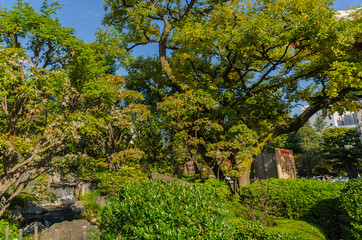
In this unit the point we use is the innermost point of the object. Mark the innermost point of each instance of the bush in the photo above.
(13, 229)
(299, 228)
(91, 208)
(163, 210)
(293, 198)
(310, 200)
(351, 206)
(254, 230)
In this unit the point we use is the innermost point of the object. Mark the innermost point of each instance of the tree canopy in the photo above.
(253, 61)
(53, 90)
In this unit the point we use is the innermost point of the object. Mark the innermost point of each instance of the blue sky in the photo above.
(85, 16)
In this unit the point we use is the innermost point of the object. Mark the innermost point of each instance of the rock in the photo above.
(34, 208)
(16, 213)
(83, 188)
(29, 230)
(78, 206)
(70, 178)
(159, 176)
(55, 178)
(69, 230)
(93, 220)
(101, 200)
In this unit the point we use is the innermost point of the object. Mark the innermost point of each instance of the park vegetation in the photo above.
(220, 89)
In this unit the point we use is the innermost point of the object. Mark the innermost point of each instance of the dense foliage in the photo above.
(334, 207)
(13, 230)
(351, 205)
(343, 148)
(294, 198)
(254, 230)
(163, 210)
(228, 73)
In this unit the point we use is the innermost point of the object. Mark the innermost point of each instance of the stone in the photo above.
(101, 200)
(16, 213)
(78, 206)
(83, 188)
(34, 208)
(70, 230)
(70, 178)
(159, 176)
(55, 178)
(29, 230)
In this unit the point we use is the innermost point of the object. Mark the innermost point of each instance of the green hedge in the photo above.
(314, 201)
(351, 206)
(163, 210)
(294, 198)
(256, 231)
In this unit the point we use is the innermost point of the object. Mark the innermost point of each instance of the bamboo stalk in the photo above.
(20, 234)
(36, 232)
(7, 232)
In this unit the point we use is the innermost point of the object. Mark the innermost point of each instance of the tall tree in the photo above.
(51, 86)
(306, 144)
(343, 148)
(257, 60)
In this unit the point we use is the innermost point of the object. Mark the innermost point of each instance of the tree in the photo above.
(51, 86)
(320, 124)
(306, 145)
(257, 60)
(343, 148)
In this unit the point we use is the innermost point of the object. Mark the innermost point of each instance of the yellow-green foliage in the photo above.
(299, 228)
(351, 204)
(164, 210)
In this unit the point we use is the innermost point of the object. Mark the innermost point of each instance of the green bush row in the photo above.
(351, 209)
(333, 206)
(163, 210)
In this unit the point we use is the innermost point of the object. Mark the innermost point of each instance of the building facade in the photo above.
(347, 119)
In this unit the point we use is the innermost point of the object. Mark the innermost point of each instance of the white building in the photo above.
(347, 119)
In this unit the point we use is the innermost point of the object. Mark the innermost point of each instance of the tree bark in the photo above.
(349, 168)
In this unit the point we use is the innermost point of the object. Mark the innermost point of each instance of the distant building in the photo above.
(347, 119)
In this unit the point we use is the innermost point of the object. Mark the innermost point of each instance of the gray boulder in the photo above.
(67, 230)
(83, 188)
(78, 206)
(34, 208)
(101, 200)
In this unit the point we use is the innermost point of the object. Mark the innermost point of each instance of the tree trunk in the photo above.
(244, 178)
(21, 180)
(349, 168)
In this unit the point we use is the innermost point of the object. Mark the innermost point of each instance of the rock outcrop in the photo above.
(67, 230)
(159, 176)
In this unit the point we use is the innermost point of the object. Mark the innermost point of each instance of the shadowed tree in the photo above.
(343, 149)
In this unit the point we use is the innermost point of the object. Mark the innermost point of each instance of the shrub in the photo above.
(351, 206)
(163, 210)
(299, 228)
(255, 230)
(293, 198)
(13, 229)
(311, 200)
(92, 209)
